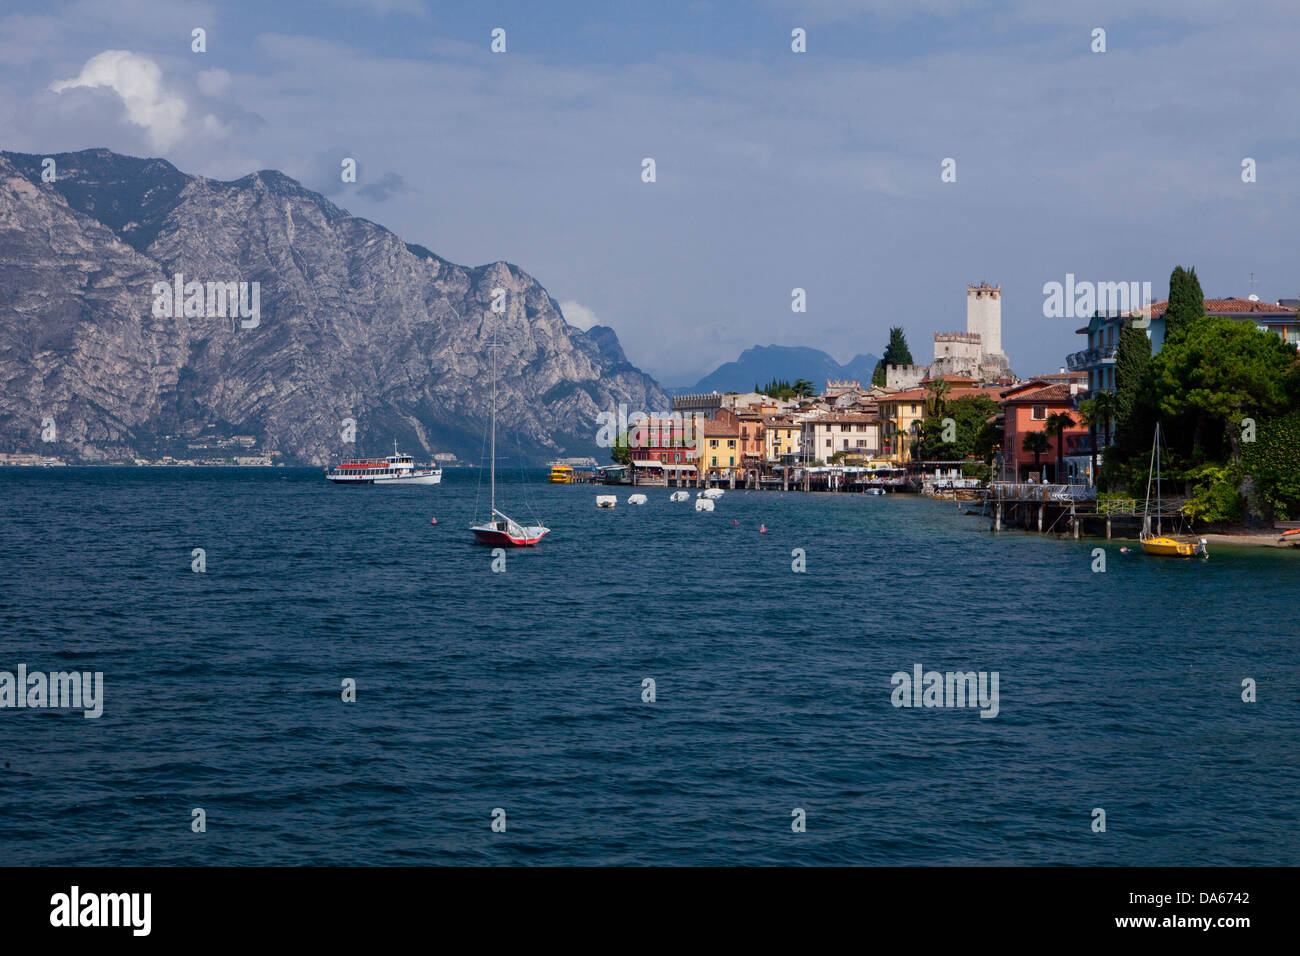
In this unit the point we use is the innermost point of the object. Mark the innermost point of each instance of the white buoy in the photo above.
(606, 501)
(636, 499)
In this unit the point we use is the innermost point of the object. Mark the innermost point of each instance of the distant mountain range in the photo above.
(762, 363)
(353, 325)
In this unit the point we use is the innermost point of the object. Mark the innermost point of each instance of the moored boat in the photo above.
(1159, 544)
(500, 530)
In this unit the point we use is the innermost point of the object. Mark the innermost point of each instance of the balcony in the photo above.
(1091, 358)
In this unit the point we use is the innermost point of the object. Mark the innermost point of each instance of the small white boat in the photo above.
(711, 493)
(606, 501)
(703, 504)
(874, 491)
(636, 499)
(679, 496)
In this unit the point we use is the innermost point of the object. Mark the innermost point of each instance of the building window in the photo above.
(830, 443)
(714, 461)
(732, 460)
(1038, 413)
(731, 443)
(713, 443)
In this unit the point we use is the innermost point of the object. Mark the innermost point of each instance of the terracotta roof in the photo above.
(846, 419)
(921, 394)
(716, 428)
(1048, 393)
(1227, 306)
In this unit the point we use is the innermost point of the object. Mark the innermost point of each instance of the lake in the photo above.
(522, 690)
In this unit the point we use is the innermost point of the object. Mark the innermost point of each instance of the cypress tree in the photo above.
(1186, 301)
(897, 352)
(1131, 360)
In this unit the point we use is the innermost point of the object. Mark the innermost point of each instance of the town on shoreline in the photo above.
(1064, 451)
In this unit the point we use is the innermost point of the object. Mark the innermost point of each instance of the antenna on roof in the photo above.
(1252, 296)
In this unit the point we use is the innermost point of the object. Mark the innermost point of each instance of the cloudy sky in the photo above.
(774, 169)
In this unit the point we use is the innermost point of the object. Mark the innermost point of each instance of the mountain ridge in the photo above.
(762, 363)
(355, 323)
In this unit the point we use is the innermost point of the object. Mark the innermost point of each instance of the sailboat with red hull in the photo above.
(502, 531)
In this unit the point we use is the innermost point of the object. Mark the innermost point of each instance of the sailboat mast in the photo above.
(1159, 508)
(492, 515)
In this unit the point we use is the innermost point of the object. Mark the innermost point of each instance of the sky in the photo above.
(774, 169)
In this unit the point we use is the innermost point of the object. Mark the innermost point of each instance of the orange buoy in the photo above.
(734, 521)
(433, 521)
(762, 529)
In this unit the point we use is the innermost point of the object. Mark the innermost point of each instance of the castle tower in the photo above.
(984, 316)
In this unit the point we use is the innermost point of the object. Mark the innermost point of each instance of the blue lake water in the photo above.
(522, 690)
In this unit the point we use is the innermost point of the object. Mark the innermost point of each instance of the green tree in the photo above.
(936, 398)
(621, 453)
(896, 353)
(803, 388)
(1097, 413)
(1131, 360)
(972, 435)
(1055, 426)
(1217, 372)
(1273, 462)
(1036, 444)
(1186, 302)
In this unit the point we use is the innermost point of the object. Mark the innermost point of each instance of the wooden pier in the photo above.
(1065, 509)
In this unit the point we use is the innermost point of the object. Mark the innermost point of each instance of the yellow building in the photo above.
(901, 415)
(782, 437)
(719, 444)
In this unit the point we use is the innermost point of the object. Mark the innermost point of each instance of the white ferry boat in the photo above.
(396, 469)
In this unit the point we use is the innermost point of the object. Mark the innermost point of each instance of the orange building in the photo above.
(1026, 409)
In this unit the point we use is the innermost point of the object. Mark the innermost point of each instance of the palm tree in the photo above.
(936, 402)
(1091, 416)
(1057, 423)
(1036, 444)
(1104, 402)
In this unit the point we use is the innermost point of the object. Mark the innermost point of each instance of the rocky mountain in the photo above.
(351, 323)
(763, 363)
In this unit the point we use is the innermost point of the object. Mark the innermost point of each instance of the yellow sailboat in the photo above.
(1157, 543)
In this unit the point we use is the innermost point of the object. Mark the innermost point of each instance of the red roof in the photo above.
(1048, 394)
(1228, 306)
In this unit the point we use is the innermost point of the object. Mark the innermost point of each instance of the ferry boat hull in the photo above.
(396, 469)
(430, 478)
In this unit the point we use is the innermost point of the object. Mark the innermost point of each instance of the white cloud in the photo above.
(213, 82)
(577, 314)
(138, 81)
